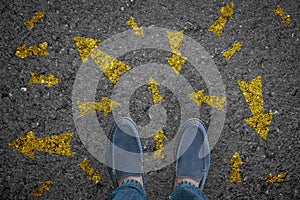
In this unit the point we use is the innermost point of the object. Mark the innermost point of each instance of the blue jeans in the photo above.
(131, 189)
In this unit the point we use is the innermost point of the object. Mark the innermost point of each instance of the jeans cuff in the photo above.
(131, 182)
(186, 183)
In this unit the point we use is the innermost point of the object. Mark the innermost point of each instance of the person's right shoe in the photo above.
(193, 152)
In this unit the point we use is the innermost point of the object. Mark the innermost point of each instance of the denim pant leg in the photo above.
(129, 189)
(187, 190)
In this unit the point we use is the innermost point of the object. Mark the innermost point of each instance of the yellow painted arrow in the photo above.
(58, 144)
(132, 23)
(284, 18)
(214, 101)
(45, 186)
(176, 61)
(260, 121)
(276, 178)
(85, 46)
(110, 66)
(235, 161)
(39, 16)
(236, 47)
(175, 40)
(86, 108)
(37, 50)
(153, 85)
(87, 168)
(226, 12)
(159, 137)
(41, 79)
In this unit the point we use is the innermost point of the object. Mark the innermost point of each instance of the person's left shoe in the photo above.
(124, 151)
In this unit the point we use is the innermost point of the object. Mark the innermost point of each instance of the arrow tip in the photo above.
(236, 159)
(25, 144)
(152, 82)
(238, 46)
(95, 177)
(85, 46)
(160, 136)
(261, 124)
(52, 80)
(228, 10)
(176, 62)
(21, 51)
(138, 30)
(198, 97)
(47, 184)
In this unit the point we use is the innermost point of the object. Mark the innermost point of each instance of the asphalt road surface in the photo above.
(270, 49)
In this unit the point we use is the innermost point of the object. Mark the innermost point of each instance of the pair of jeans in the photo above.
(131, 189)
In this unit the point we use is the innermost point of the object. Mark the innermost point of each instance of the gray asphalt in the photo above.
(270, 48)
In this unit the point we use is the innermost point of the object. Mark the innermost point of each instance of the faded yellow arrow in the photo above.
(37, 50)
(107, 105)
(176, 61)
(226, 12)
(276, 178)
(260, 121)
(41, 79)
(236, 47)
(110, 66)
(235, 161)
(159, 137)
(85, 46)
(39, 16)
(153, 85)
(87, 168)
(132, 23)
(175, 40)
(284, 18)
(45, 186)
(58, 144)
(214, 101)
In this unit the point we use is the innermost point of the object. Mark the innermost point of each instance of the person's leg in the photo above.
(124, 159)
(192, 162)
(129, 189)
(187, 190)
